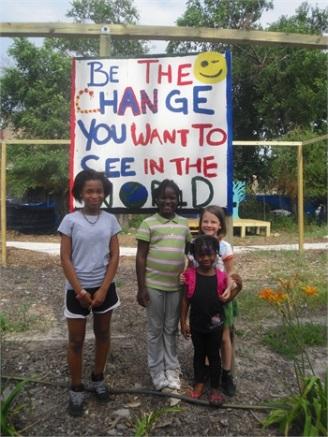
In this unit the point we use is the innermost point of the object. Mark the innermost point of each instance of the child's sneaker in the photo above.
(173, 379)
(76, 403)
(100, 389)
(159, 381)
(227, 384)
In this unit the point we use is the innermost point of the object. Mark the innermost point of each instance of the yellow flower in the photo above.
(310, 291)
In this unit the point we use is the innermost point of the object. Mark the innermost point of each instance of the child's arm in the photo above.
(185, 329)
(66, 261)
(235, 283)
(142, 252)
(100, 294)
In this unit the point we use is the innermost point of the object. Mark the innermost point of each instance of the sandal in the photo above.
(198, 390)
(215, 398)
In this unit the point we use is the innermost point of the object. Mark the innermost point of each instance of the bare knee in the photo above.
(75, 345)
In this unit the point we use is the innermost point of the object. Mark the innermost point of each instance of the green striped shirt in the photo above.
(167, 240)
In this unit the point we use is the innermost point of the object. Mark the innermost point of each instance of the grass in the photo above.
(20, 321)
(281, 339)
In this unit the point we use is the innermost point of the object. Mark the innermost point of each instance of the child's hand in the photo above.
(143, 297)
(98, 298)
(225, 296)
(85, 299)
(185, 330)
(181, 279)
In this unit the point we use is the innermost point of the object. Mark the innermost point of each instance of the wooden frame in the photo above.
(105, 32)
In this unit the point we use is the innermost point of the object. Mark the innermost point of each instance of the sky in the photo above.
(152, 12)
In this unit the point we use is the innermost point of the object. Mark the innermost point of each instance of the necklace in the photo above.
(90, 221)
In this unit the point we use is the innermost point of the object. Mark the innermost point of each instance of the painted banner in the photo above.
(144, 120)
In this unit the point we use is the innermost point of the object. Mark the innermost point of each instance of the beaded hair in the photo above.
(204, 244)
(167, 183)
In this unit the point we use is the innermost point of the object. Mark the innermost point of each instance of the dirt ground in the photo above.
(32, 292)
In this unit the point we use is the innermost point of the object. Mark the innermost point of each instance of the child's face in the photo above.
(210, 224)
(206, 258)
(92, 195)
(167, 203)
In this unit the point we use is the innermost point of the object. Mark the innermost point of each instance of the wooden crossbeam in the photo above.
(166, 33)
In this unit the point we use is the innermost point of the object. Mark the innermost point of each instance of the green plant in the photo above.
(306, 411)
(302, 414)
(23, 320)
(281, 338)
(146, 423)
(8, 397)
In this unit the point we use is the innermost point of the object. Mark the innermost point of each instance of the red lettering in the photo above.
(183, 136)
(207, 166)
(162, 73)
(182, 74)
(140, 139)
(178, 165)
(197, 165)
(201, 128)
(221, 134)
(147, 62)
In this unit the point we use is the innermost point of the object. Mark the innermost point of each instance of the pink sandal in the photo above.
(215, 398)
(198, 391)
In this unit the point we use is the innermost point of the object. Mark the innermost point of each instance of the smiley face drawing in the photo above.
(210, 67)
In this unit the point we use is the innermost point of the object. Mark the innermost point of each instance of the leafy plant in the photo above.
(7, 412)
(302, 414)
(306, 411)
(146, 423)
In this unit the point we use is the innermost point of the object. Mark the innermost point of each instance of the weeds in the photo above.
(281, 338)
(8, 397)
(146, 423)
(22, 320)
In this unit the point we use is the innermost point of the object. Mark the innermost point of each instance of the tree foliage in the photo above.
(35, 97)
(102, 12)
(276, 91)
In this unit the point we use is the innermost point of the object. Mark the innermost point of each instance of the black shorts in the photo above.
(74, 310)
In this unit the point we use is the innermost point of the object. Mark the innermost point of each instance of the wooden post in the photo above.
(300, 200)
(105, 42)
(3, 205)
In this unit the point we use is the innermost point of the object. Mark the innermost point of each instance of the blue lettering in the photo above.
(102, 133)
(182, 104)
(100, 77)
(198, 100)
(85, 160)
(126, 166)
(107, 102)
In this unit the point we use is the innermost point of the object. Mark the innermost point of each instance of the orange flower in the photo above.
(279, 297)
(310, 291)
(266, 293)
(271, 296)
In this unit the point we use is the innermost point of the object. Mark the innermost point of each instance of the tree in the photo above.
(102, 11)
(34, 104)
(35, 98)
(275, 90)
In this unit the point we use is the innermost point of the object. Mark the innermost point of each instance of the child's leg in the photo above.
(226, 349)
(213, 341)
(227, 352)
(199, 343)
(101, 327)
(155, 325)
(170, 331)
(76, 334)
